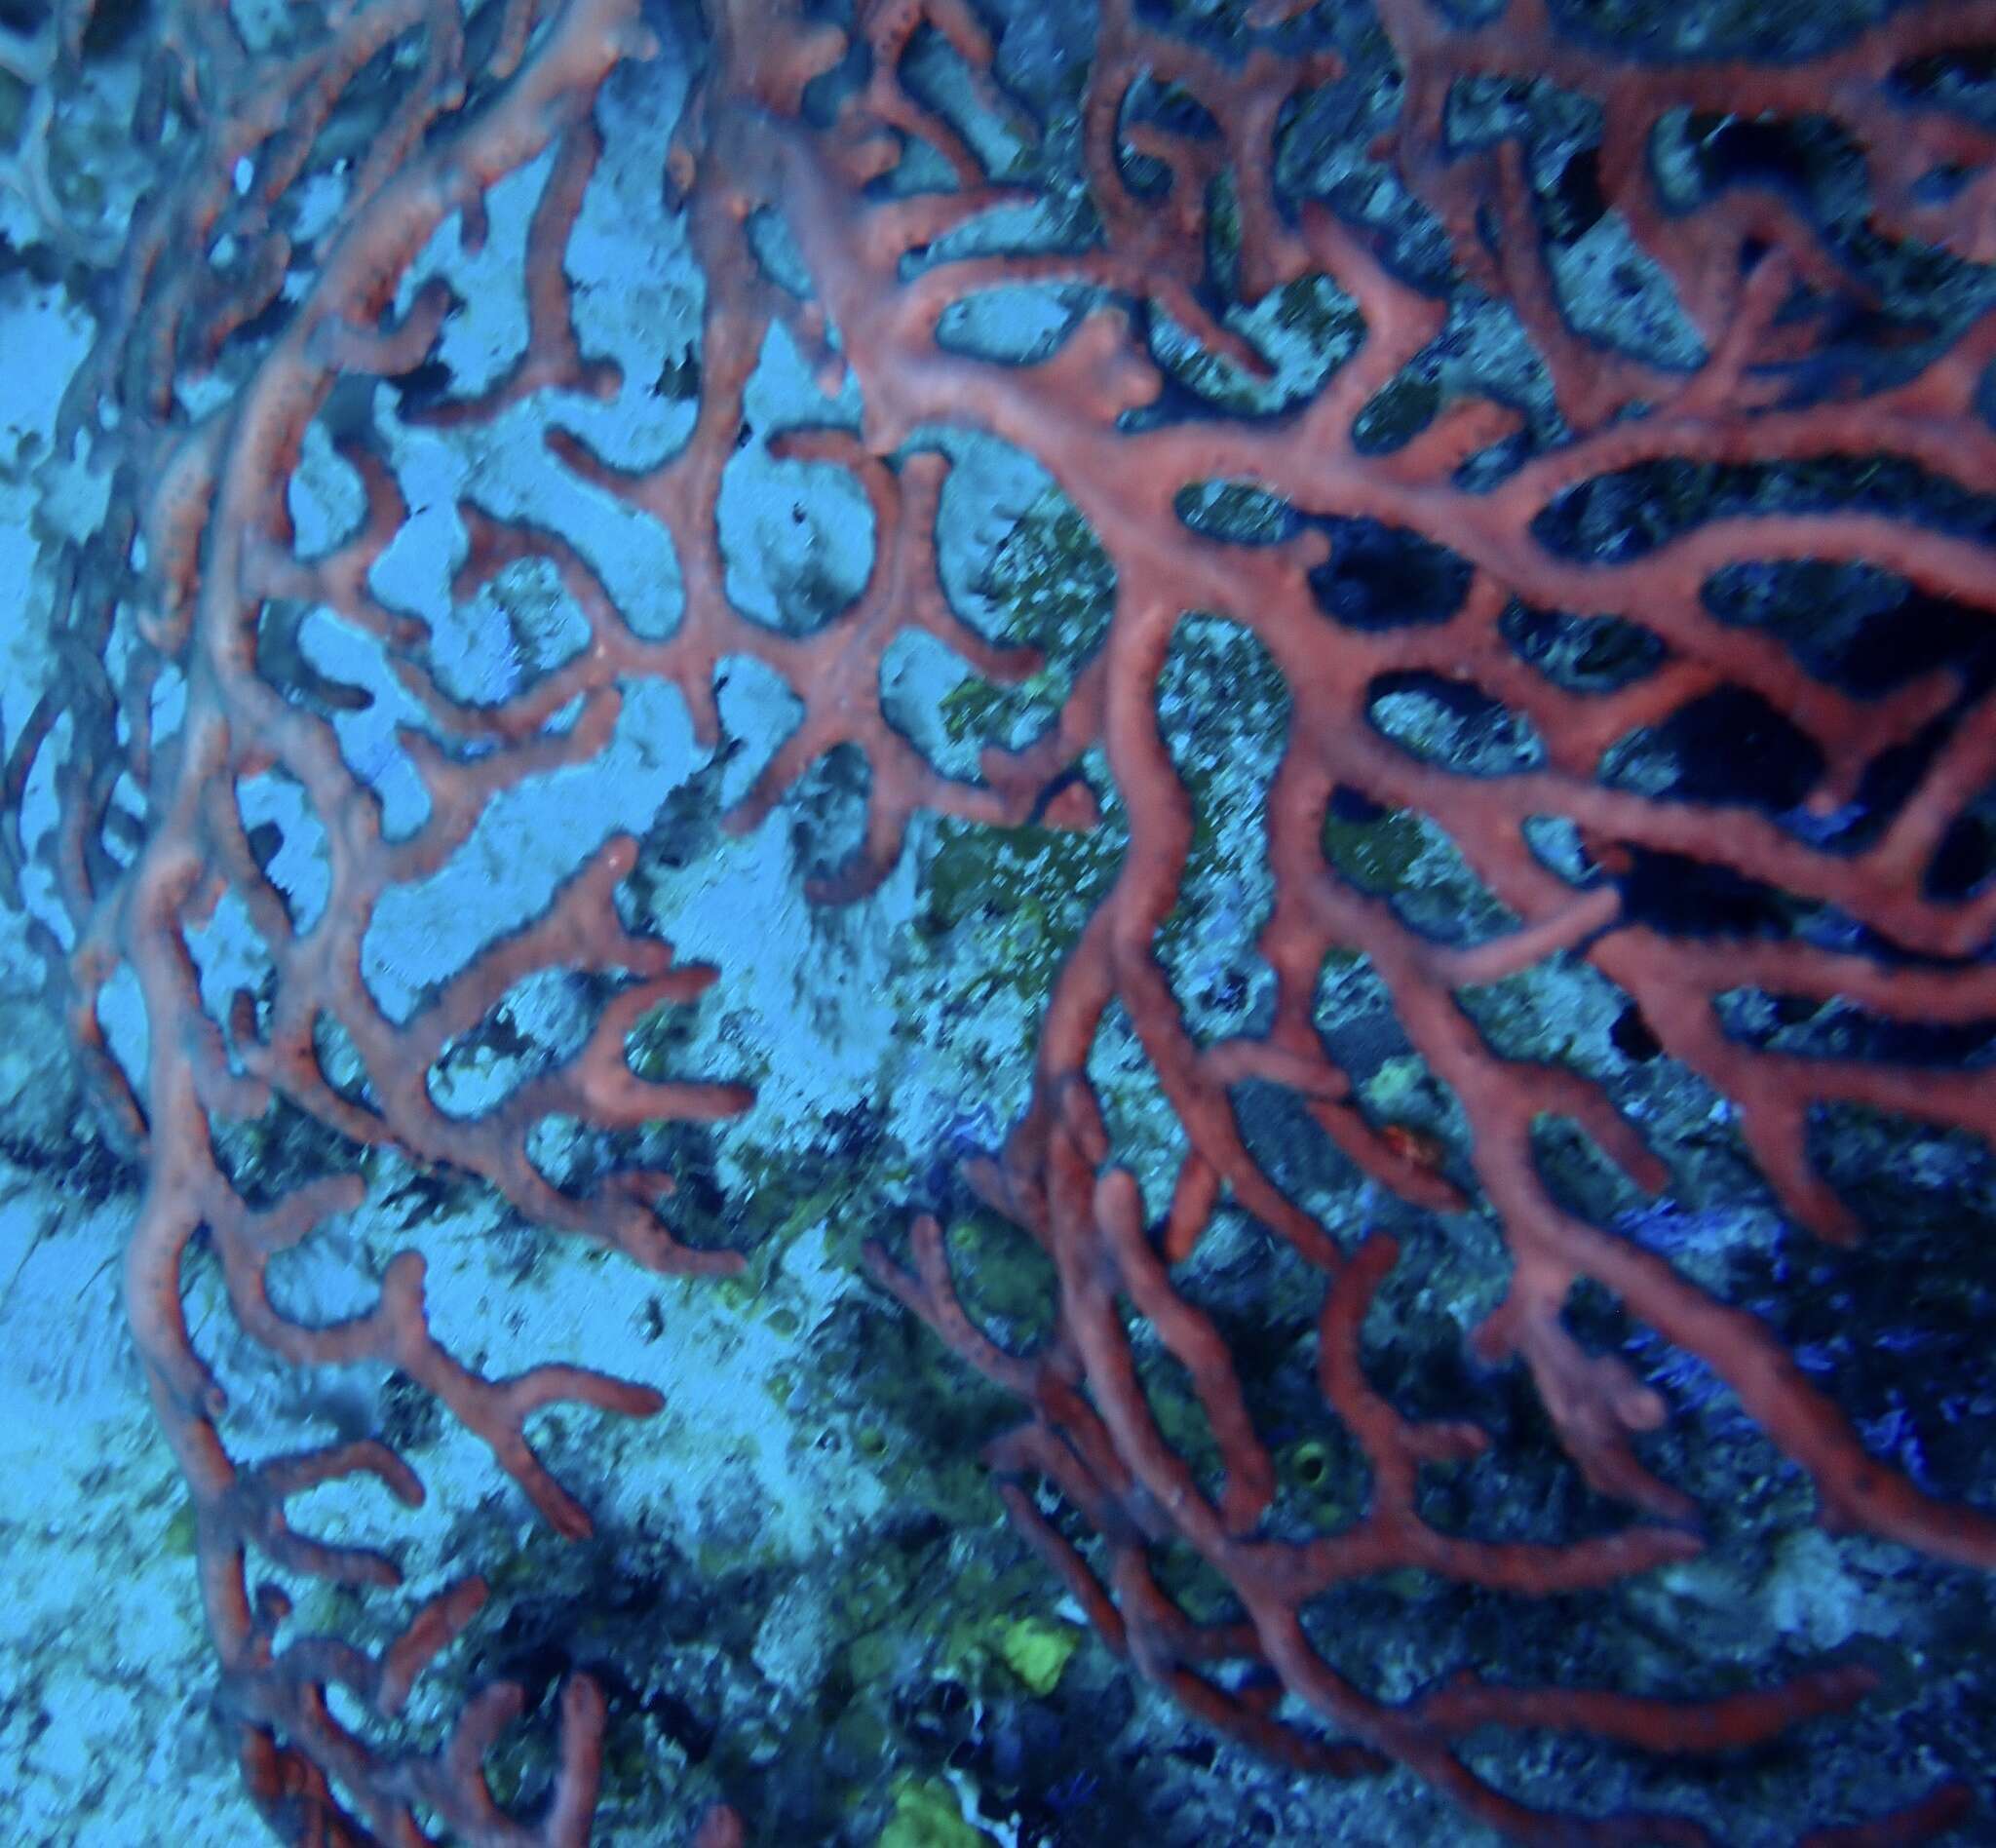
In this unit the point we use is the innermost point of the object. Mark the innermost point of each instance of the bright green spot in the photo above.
(926, 1816)
(1038, 1652)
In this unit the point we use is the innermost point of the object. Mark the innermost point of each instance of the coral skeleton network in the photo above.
(936, 922)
